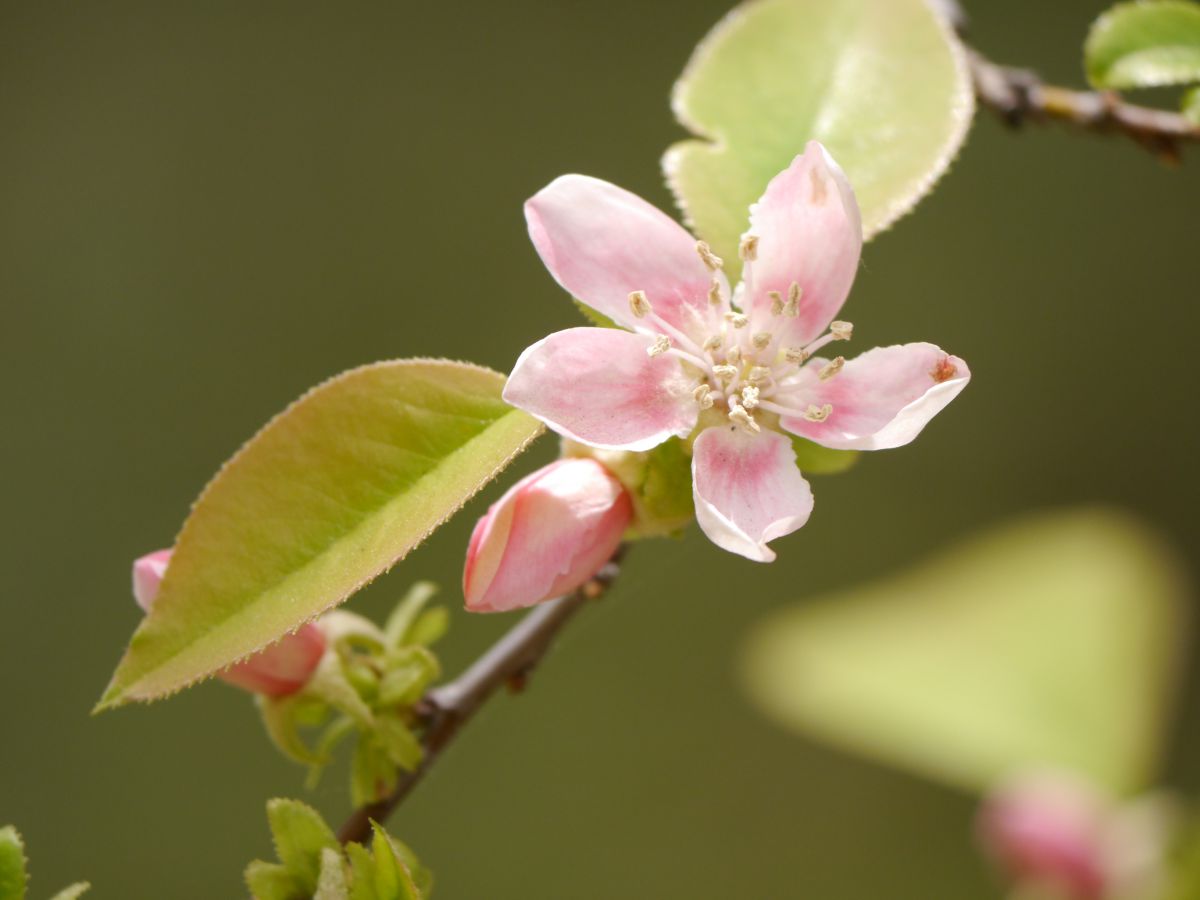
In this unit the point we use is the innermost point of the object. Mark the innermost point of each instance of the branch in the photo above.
(1019, 96)
(445, 709)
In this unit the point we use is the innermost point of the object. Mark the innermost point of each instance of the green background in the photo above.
(207, 208)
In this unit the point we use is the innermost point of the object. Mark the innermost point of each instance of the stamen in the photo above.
(710, 259)
(737, 320)
(758, 374)
(797, 355)
(749, 396)
(714, 292)
(831, 368)
(725, 373)
(739, 416)
(639, 305)
(944, 371)
(818, 413)
(776, 303)
(733, 355)
(792, 307)
(761, 340)
(661, 345)
(748, 249)
(703, 395)
(713, 343)
(841, 331)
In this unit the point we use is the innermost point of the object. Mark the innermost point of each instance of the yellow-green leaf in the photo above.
(1049, 642)
(327, 496)
(13, 875)
(1137, 45)
(882, 83)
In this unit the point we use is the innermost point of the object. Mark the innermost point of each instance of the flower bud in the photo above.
(548, 535)
(281, 668)
(1050, 832)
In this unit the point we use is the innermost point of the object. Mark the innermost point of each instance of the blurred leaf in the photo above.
(1049, 642)
(13, 875)
(300, 835)
(73, 892)
(393, 881)
(882, 83)
(813, 459)
(362, 873)
(430, 626)
(329, 494)
(401, 744)
(1137, 45)
(401, 620)
(332, 883)
(279, 719)
(271, 881)
(1191, 105)
(595, 318)
(372, 772)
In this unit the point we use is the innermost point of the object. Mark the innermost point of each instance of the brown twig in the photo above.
(447, 708)
(1019, 96)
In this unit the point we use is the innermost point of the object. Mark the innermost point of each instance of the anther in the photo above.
(710, 259)
(737, 320)
(831, 368)
(639, 305)
(733, 355)
(792, 307)
(758, 374)
(739, 416)
(818, 413)
(748, 249)
(713, 343)
(714, 292)
(725, 373)
(749, 396)
(661, 345)
(796, 355)
(776, 303)
(703, 395)
(761, 340)
(841, 331)
(944, 371)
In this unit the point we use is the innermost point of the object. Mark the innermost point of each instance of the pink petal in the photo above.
(880, 400)
(601, 243)
(809, 233)
(148, 574)
(282, 668)
(748, 490)
(601, 387)
(549, 534)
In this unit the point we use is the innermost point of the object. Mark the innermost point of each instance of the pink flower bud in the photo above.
(282, 668)
(548, 535)
(1049, 831)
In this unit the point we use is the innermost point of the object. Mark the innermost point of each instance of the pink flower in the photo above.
(282, 668)
(549, 534)
(736, 374)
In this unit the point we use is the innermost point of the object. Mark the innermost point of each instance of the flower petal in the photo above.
(601, 243)
(748, 490)
(547, 535)
(879, 400)
(281, 668)
(600, 386)
(148, 572)
(809, 233)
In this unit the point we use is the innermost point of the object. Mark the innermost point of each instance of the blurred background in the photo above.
(207, 208)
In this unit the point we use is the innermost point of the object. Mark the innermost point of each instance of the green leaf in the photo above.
(421, 876)
(13, 875)
(279, 719)
(882, 83)
(372, 772)
(1049, 642)
(430, 627)
(271, 881)
(1191, 106)
(402, 746)
(401, 620)
(300, 835)
(1137, 45)
(362, 873)
(813, 459)
(327, 496)
(596, 318)
(73, 892)
(393, 881)
(332, 883)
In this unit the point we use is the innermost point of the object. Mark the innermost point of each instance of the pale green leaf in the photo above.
(327, 496)
(332, 883)
(595, 318)
(393, 880)
(300, 834)
(1049, 642)
(401, 620)
(13, 875)
(882, 83)
(271, 881)
(401, 744)
(1191, 106)
(1137, 45)
(74, 892)
(430, 627)
(813, 459)
(362, 873)
(279, 719)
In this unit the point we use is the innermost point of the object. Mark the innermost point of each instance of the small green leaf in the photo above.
(271, 881)
(1137, 45)
(1191, 106)
(73, 892)
(401, 744)
(279, 719)
(14, 877)
(372, 772)
(882, 83)
(405, 682)
(331, 885)
(421, 876)
(300, 835)
(401, 620)
(813, 459)
(596, 318)
(327, 496)
(362, 873)
(393, 881)
(430, 627)
(1050, 642)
